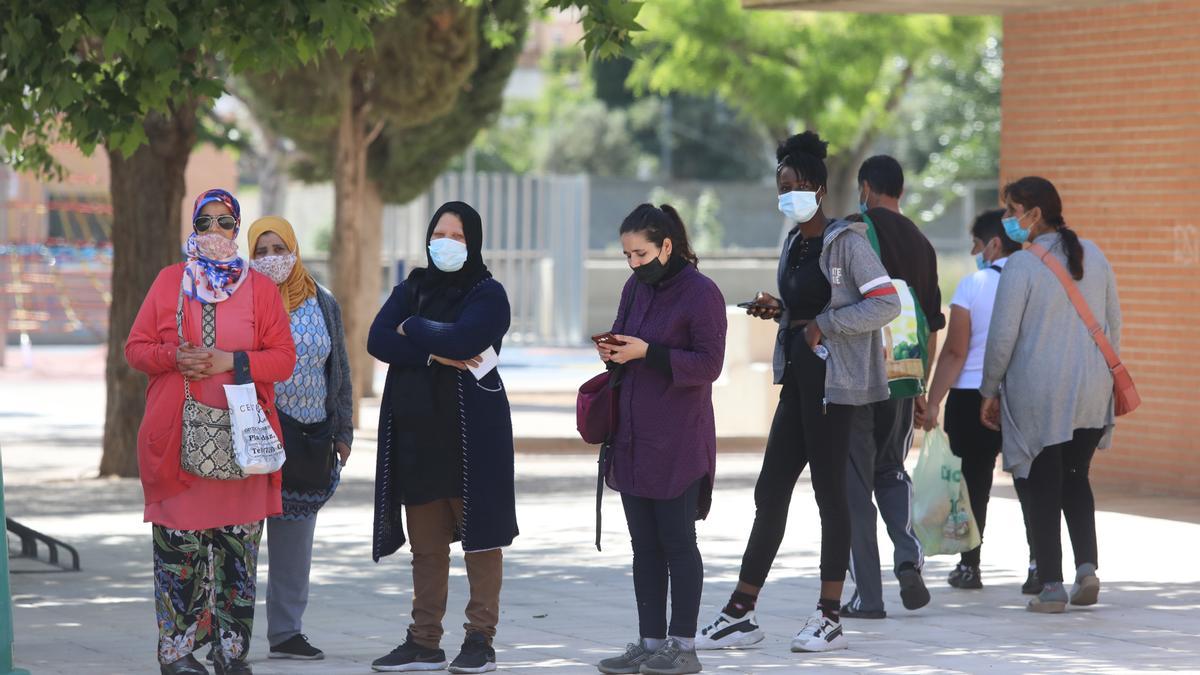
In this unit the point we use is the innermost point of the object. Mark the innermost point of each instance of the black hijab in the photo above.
(437, 294)
(424, 400)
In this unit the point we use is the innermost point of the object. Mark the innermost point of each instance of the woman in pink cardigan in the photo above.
(235, 329)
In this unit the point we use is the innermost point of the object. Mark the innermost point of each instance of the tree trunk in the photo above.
(146, 190)
(843, 182)
(272, 177)
(346, 251)
(843, 169)
(372, 283)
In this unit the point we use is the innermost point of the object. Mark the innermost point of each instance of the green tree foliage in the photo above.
(706, 138)
(406, 159)
(705, 229)
(948, 127)
(587, 137)
(841, 74)
(588, 121)
(133, 77)
(337, 109)
(423, 107)
(88, 74)
(699, 137)
(401, 112)
(424, 53)
(608, 25)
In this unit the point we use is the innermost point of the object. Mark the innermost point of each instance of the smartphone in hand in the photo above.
(756, 305)
(607, 339)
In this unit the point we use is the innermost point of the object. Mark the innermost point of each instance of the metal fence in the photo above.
(534, 241)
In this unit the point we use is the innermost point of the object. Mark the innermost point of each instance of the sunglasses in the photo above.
(204, 223)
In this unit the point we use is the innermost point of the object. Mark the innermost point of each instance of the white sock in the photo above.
(652, 643)
(688, 643)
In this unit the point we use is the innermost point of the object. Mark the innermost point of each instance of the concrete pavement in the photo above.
(565, 606)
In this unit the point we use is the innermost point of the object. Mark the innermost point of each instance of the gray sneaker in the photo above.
(1052, 599)
(1086, 590)
(630, 662)
(672, 659)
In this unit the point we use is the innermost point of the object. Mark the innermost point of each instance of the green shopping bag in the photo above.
(905, 338)
(942, 515)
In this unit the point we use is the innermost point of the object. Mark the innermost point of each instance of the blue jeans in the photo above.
(663, 532)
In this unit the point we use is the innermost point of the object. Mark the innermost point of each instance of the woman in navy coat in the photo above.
(445, 460)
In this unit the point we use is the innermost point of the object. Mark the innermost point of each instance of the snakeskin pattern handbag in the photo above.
(207, 448)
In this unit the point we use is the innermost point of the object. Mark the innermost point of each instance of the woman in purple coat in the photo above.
(671, 320)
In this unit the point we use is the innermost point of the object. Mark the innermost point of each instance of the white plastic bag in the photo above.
(255, 446)
(942, 515)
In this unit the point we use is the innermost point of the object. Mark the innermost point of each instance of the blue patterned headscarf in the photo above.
(223, 196)
(214, 268)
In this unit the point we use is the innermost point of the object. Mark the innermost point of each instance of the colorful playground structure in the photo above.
(56, 280)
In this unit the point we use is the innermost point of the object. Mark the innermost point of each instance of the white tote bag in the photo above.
(255, 446)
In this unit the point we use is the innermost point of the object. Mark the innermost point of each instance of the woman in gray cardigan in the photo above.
(1047, 386)
(315, 413)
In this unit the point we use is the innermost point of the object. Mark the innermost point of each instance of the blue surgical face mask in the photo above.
(799, 206)
(448, 254)
(980, 262)
(1012, 227)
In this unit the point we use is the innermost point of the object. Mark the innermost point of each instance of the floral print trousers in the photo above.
(204, 585)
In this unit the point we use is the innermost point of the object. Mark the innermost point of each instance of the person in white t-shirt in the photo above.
(959, 374)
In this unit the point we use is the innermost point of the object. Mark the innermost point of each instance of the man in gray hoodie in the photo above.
(881, 433)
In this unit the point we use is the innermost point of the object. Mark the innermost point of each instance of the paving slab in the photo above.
(565, 605)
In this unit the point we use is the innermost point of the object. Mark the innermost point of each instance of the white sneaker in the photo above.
(819, 634)
(725, 632)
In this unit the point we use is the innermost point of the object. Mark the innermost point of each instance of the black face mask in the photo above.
(650, 273)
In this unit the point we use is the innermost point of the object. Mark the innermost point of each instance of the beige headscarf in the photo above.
(299, 285)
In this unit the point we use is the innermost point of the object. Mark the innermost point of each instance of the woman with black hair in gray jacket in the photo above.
(1047, 386)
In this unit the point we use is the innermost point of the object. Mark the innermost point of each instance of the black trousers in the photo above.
(1058, 487)
(663, 533)
(978, 446)
(805, 432)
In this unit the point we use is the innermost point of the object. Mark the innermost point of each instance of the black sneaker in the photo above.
(235, 667)
(410, 656)
(956, 575)
(913, 593)
(848, 612)
(1031, 586)
(476, 656)
(971, 579)
(296, 647)
(188, 665)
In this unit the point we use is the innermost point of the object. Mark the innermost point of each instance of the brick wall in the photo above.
(1105, 103)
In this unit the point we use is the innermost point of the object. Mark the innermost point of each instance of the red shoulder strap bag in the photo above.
(596, 418)
(1125, 396)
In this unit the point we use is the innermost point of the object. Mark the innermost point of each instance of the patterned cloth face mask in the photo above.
(213, 246)
(276, 267)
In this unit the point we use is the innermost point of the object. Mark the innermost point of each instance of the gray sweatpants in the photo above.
(880, 436)
(289, 554)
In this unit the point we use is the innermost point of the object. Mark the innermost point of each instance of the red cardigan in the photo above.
(151, 349)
